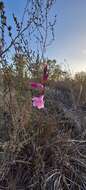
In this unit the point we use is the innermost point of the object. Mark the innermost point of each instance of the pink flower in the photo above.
(45, 77)
(36, 85)
(38, 101)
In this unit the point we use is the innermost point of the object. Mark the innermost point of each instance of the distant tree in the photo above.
(80, 86)
(55, 71)
(80, 77)
(20, 62)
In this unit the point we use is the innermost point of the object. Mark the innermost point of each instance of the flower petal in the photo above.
(36, 85)
(38, 101)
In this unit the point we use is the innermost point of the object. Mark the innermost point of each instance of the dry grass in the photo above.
(45, 149)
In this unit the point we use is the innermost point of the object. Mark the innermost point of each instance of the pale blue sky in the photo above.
(70, 40)
(70, 32)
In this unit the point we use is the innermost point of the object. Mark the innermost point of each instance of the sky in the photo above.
(69, 47)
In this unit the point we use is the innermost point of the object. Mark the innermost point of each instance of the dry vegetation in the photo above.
(43, 149)
(40, 149)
